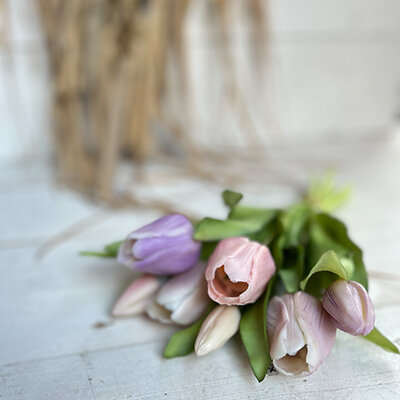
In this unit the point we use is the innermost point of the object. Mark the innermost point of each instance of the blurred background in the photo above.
(101, 89)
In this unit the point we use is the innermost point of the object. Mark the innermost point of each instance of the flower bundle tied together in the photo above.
(285, 279)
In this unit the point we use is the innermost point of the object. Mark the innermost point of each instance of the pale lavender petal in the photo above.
(170, 225)
(284, 333)
(317, 327)
(350, 306)
(300, 333)
(146, 247)
(165, 246)
(171, 260)
(368, 308)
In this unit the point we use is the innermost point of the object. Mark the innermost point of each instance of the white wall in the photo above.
(333, 73)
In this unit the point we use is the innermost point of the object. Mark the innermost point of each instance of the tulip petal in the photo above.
(165, 246)
(219, 326)
(367, 308)
(300, 333)
(350, 306)
(169, 225)
(170, 260)
(125, 253)
(317, 327)
(183, 299)
(146, 247)
(285, 335)
(137, 297)
(192, 307)
(238, 271)
(159, 313)
(181, 286)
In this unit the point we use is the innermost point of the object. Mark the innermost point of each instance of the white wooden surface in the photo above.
(57, 340)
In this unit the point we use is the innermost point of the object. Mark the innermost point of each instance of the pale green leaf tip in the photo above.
(323, 195)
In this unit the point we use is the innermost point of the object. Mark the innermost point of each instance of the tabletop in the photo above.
(58, 340)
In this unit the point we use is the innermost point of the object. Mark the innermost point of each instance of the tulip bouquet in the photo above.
(285, 279)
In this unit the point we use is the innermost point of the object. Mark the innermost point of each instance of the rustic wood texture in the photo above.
(57, 340)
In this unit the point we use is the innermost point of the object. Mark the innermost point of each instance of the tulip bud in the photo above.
(219, 326)
(165, 246)
(137, 297)
(350, 307)
(300, 333)
(238, 271)
(183, 299)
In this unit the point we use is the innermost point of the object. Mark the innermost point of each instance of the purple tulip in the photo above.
(300, 333)
(350, 307)
(163, 247)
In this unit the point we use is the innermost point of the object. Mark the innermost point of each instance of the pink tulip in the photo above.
(183, 299)
(238, 271)
(350, 307)
(137, 297)
(219, 326)
(300, 333)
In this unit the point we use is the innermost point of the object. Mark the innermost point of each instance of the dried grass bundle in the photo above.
(108, 62)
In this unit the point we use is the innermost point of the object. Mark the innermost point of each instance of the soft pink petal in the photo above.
(137, 297)
(245, 263)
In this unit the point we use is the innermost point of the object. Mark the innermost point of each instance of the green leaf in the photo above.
(110, 251)
(113, 248)
(210, 229)
(241, 222)
(294, 221)
(253, 331)
(96, 254)
(291, 272)
(207, 249)
(231, 198)
(376, 337)
(328, 269)
(251, 213)
(328, 233)
(182, 342)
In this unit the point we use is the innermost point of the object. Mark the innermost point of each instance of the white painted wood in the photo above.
(52, 345)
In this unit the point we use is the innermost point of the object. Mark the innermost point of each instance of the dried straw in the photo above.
(109, 77)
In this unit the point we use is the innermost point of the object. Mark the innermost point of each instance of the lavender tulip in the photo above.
(350, 307)
(163, 247)
(300, 333)
(183, 299)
